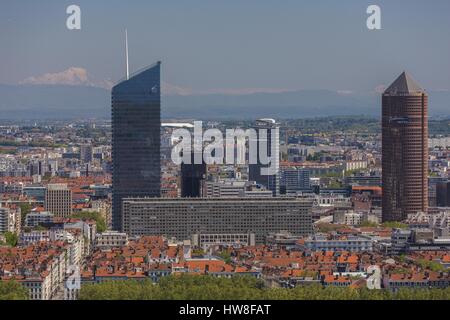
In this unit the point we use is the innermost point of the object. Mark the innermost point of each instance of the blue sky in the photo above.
(208, 45)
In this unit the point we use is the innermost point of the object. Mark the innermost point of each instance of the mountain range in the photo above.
(27, 101)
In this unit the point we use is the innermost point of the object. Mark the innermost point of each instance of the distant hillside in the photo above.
(53, 102)
(63, 102)
(296, 104)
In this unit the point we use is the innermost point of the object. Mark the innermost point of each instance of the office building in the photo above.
(228, 239)
(86, 153)
(58, 200)
(267, 132)
(6, 220)
(443, 194)
(34, 219)
(294, 179)
(362, 180)
(235, 188)
(404, 149)
(111, 239)
(37, 192)
(192, 178)
(350, 243)
(136, 122)
(181, 217)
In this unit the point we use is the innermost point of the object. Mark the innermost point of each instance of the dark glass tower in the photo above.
(192, 177)
(405, 149)
(136, 125)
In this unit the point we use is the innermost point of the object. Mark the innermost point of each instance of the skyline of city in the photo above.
(315, 177)
(214, 173)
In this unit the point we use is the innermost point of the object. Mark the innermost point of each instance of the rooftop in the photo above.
(404, 84)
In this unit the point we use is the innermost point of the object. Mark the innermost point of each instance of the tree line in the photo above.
(192, 287)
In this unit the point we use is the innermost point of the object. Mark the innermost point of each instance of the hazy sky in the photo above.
(208, 45)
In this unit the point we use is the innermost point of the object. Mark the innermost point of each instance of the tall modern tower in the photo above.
(192, 178)
(271, 182)
(136, 125)
(405, 149)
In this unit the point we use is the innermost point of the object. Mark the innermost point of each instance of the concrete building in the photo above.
(235, 188)
(10, 219)
(351, 218)
(36, 192)
(438, 219)
(111, 239)
(5, 220)
(227, 239)
(34, 219)
(294, 179)
(282, 238)
(257, 193)
(422, 239)
(355, 165)
(181, 218)
(350, 243)
(363, 180)
(399, 240)
(226, 188)
(58, 200)
(34, 236)
(86, 153)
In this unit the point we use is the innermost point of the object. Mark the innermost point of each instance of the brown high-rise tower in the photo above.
(405, 149)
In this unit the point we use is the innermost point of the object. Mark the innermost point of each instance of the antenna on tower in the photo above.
(126, 54)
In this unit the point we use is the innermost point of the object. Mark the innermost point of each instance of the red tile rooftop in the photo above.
(336, 279)
(33, 259)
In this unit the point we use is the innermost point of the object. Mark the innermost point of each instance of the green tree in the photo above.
(99, 220)
(368, 224)
(25, 208)
(431, 265)
(395, 224)
(226, 256)
(12, 290)
(11, 239)
(192, 287)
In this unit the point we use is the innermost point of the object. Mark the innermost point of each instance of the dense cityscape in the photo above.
(236, 165)
(322, 219)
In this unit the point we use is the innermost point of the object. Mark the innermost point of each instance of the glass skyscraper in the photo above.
(136, 123)
(192, 178)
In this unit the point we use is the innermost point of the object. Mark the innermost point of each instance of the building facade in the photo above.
(181, 218)
(271, 182)
(111, 239)
(350, 243)
(192, 178)
(136, 125)
(294, 179)
(58, 200)
(7, 220)
(404, 149)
